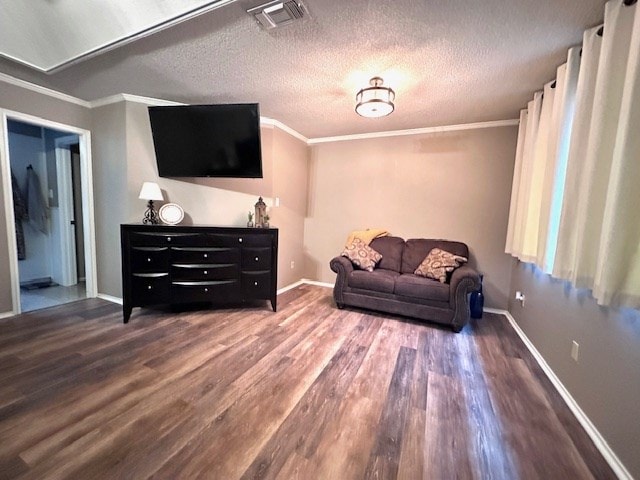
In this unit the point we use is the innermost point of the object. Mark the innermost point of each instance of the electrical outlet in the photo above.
(575, 350)
(293, 264)
(276, 203)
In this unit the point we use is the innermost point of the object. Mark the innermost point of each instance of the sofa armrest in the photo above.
(343, 267)
(464, 280)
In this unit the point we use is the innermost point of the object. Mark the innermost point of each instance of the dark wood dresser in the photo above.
(163, 264)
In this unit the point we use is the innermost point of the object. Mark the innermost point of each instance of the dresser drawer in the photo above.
(149, 259)
(204, 271)
(256, 285)
(256, 240)
(167, 239)
(240, 240)
(256, 258)
(205, 255)
(150, 288)
(205, 291)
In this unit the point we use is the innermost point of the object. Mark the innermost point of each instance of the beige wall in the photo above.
(109, 151)
(223, 201)
(21, 100)
(204, 200)
(290, 172)
(124, 158)
(606, 379)
(453, 185)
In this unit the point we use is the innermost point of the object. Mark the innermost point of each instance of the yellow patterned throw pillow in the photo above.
(361, 255)
(438, 263)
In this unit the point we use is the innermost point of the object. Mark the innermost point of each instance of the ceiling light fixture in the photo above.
(376, 100)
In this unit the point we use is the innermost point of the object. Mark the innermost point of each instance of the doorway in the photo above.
(49, 215)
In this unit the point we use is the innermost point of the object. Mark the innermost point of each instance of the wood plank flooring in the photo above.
(309, 392)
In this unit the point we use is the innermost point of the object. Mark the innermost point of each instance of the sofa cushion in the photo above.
(409, 285)
(380, 280)
(438, 264)
(361, 255)
(391, 250)
(415, 251)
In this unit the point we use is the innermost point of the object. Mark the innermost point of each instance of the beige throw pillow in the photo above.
(361, 255)
(438, 263)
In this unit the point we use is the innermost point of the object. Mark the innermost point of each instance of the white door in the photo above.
(64, 238)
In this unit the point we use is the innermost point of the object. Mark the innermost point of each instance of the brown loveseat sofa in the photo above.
(392, 287)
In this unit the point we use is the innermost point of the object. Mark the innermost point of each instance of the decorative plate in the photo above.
(171, 213)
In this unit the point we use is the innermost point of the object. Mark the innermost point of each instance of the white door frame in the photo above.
(86, 175)
(67, 251)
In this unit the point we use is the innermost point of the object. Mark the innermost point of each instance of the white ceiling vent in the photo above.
(277, 14)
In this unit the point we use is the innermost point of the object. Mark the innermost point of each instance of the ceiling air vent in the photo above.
(277, 14)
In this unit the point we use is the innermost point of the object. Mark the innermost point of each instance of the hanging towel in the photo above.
(37, 208)
(20, 214)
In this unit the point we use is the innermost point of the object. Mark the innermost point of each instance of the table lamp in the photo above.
(150, 191)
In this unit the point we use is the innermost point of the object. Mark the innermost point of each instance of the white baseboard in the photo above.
(317, 284)
(110, 298)
(601, 444)
(6, 315)
(290, 287)
(304, 281)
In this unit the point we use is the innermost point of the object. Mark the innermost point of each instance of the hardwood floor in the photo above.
(310, 392)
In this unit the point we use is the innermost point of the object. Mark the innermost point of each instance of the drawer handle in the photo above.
(206, 289)
(257, 259)
(148, 287)
(240, 239)
(148, 259)
(206, 272)
(168, 239)
(206, 255)
(255, 283)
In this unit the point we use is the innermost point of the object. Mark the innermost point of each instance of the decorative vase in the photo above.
(476, 303)
(249, 224)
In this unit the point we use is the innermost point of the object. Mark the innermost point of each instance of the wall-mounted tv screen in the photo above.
(207, 140)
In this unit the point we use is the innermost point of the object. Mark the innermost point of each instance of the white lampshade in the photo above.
(150, 191)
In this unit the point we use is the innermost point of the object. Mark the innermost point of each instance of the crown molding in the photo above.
(122, 97)
(415, 131)
(263, 120)
(284, 128)
(43, 90)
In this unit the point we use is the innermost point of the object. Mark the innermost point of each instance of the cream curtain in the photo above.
(512, 239)
(522, 245)
(555, 175)
(577, 171)
(617, 279)
(566, 250)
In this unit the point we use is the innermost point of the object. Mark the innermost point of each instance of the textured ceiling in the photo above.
(450, 62)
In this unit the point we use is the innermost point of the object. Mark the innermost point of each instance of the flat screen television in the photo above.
(207, 140)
